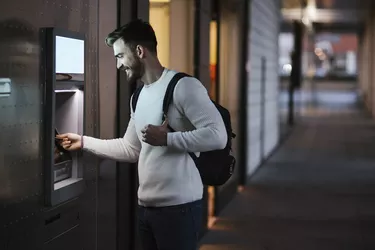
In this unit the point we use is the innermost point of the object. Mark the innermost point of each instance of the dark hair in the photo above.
(134, 33)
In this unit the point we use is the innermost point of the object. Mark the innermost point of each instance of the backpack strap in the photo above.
(168, 98)
(135, 97)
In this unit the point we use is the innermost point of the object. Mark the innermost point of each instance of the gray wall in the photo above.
(263, 125)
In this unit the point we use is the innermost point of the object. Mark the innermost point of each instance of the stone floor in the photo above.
(316, 192)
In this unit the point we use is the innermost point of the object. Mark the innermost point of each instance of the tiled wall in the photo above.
(263, 130)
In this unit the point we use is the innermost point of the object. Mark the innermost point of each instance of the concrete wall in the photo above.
(263, 130)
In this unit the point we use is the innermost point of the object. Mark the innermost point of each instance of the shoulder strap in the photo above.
(168, 97)
(135, 97)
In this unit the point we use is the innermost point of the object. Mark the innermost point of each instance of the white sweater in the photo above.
(167, 175)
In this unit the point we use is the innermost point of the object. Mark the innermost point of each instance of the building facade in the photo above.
(230, 45)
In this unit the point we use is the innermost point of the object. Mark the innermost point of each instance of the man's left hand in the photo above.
(156, 135)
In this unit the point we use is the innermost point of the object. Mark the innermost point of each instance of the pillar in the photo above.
(201, 43)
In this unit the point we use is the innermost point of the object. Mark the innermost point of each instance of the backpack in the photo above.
(217, 166)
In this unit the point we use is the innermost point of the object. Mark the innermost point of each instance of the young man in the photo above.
(170, 190)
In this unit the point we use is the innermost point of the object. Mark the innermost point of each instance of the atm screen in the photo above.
(62, 160)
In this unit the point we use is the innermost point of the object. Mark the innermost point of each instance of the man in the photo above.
(170, 190)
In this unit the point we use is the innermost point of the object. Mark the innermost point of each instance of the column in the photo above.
(202, 41)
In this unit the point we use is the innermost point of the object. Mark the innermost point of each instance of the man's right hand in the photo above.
(70, 141)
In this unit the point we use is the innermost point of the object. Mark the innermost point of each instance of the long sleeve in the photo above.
(191, 97)
(124, 149)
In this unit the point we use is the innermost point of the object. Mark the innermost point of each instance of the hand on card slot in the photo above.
(68, 141)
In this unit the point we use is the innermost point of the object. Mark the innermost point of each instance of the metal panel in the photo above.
(263, 43)
(127, 177)
(230, 18)
(23, 217)
(201, 41)
(242, 140)
(107, 193)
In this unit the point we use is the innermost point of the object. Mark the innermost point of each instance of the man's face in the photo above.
(128, 61)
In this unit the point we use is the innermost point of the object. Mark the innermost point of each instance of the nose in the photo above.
(119, 64)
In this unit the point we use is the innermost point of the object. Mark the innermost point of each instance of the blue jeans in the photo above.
(170, 228)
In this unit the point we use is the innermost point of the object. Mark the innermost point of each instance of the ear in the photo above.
(140, 50)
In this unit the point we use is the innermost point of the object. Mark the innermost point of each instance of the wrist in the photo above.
(82, 142)
(168, 139)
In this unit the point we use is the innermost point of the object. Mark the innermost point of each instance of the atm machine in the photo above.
(63, 73)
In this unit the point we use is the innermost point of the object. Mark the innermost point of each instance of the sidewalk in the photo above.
(317, 192)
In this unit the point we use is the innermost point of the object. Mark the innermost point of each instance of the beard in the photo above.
(136, 70)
